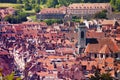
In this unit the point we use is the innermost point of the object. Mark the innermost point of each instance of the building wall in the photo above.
(50, 16)
(87, 9)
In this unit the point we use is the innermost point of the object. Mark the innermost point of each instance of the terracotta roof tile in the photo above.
(109, 22)
(88, 5)
(93, 34)
(53, 10)
(100, 46)
(65, 50)
(105, 49)
(4, 52)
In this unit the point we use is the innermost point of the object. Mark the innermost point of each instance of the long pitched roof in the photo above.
(104, 45)
(89, 6)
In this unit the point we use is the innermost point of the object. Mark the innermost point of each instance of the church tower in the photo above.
(81, 37)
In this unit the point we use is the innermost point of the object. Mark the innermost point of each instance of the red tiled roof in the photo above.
(109, 22)
(104, 45)
(65, 50)
(3, 52)
(105, 49)
(93, 34)
(53, 10)
(7, 11)
(89, 6)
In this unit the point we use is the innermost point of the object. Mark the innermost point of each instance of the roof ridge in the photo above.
(105, 49)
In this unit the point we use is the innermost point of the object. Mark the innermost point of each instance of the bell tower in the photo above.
(81, 37)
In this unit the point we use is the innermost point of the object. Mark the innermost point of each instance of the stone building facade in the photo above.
(87, 9)
(52, 13)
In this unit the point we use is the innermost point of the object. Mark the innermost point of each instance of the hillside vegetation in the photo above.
(36, 5)
(4, 5)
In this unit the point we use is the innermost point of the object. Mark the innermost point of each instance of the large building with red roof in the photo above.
(87, 9)
(76, 9)
(52, 13)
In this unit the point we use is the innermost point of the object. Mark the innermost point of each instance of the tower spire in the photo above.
(81, 36)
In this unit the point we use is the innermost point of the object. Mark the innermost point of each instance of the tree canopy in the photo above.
(17, 18)
(31, 4)
(101, 15)
(99, 76)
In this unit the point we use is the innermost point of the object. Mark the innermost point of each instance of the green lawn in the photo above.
(4, 5)
(29, 11)
(33, 17)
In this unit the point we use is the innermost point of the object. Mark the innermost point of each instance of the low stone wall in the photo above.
(114, 16)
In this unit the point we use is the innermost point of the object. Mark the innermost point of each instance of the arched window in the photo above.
(82, 34)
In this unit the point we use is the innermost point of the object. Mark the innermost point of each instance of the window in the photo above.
(107, 55)
(116, 55)
(83, 67)
(101, 55)
(95, 55)
(82, 34)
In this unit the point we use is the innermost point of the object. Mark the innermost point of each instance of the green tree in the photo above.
(98, 76)
(117, 5)
(113, 2)
(52, 3)
(37, 1)
(28, 6)
(19, 1)
(37, 8)
(9, 77)
(63, 2)
(101, 15)
(17, 18)
(106, 76)
(52, 21)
